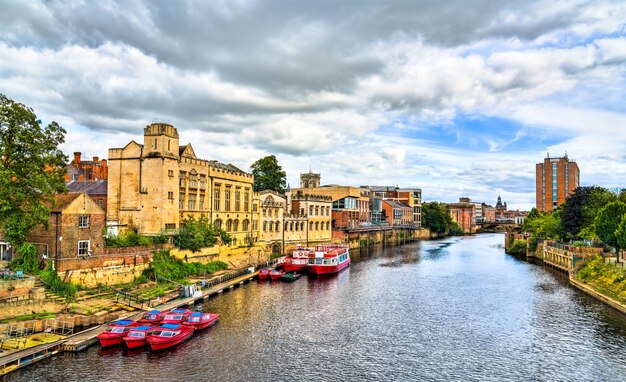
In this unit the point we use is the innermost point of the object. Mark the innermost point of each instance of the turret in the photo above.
(161, 140)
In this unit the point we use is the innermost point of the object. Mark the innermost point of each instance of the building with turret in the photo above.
(156, 184)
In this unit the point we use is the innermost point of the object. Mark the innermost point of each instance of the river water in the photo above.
(458, 309)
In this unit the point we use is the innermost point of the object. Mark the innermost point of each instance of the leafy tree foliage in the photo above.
(436, 217)
(27, 259)
(573, 219)
(607, 223)
(31, 169)
(196, 234)
(269, 175)
(178, 270)
(547, 226)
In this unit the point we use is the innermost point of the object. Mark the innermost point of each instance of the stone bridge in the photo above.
(503, 226)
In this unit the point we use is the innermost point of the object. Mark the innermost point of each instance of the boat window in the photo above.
(318, 261)
(118, 329)
(151, 317)
(137, 334)
(168, 334)
(174, 317)
(193, 319)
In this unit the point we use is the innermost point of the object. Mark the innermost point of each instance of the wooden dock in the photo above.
(82, 340)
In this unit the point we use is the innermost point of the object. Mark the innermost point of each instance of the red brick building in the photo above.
(555, 180)
(96, 189)
(397, 213)
(82, 170)
(464, 213)
(74, 232)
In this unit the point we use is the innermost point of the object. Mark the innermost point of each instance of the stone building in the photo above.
(271, 220)
(155, 185)
(96, 189)
(318, 212)
(74, 232)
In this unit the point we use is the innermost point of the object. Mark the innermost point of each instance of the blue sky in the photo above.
(458, 100)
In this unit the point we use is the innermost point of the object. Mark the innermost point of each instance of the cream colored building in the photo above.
(155, 185)
(318, 212)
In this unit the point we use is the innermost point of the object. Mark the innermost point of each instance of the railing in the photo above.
(126, 298)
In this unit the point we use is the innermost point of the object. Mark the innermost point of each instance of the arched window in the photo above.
(245, 225)
(302, 226)
(277, 226)
(229, 225)
(291, 226)
(327, 225)
(218, 223)
(317, 226)
(236, 225)
(271, 225)
(310, 226)
(264, 226)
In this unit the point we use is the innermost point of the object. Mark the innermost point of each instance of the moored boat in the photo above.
(298, 260)
(201, 320)
(115, 333)
(153, 317)
(290, 277)
(176, 316)
(275, 274)
(168, 335)
(329, 259)
(136, 337)
(264, 274)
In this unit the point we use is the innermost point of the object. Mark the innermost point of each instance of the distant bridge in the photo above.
(501, 226)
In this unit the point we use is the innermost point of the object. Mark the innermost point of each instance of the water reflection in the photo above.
(454, 309)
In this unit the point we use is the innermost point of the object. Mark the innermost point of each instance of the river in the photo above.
(457, 309)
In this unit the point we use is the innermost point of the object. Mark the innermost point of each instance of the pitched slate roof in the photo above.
(92, 187)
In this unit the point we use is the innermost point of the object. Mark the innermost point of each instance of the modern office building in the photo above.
(556, 179)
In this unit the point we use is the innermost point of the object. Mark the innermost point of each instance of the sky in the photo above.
(458, 98)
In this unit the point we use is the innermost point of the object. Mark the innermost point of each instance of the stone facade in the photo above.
(155, 185)
(317, 210)
(271, 220)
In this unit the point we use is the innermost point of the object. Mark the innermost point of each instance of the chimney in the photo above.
(95, 159)
(76, 157)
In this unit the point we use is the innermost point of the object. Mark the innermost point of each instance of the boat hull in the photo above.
(135, 343)
(110, 341)
(288, 267)
(160, 343)
(202, 325)
(276, 275)
(328, 269)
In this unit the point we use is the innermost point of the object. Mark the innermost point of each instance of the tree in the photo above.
(436, 217)
(196, 234)
(547, 226)
(31, 169)
(573, 219)
(620, 233)
(607, 223)
(269, 175)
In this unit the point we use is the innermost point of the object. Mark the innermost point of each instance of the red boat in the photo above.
(329, 259)
(115, 333)
(176, 316)
(153, 317)
(201, 320)
(275, 274)
(264, 274)
(136, 337)
(168, 335)
(298, 260)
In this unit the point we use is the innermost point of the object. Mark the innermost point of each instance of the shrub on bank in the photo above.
(517, 248)
(177, 270)
(605, 278)
(66, 290)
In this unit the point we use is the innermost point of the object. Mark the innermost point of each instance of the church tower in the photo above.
(310, 180)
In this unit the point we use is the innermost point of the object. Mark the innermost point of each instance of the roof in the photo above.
(395, 204)
(63, 200)
(92, 187)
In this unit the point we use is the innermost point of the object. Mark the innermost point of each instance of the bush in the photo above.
(517, 248)
(66, 290)
(27, 260)
(132, 238)
(177, 270)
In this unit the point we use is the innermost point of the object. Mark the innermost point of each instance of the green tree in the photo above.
(573, 219)
(31, 169)
(436, 217)
(607, 223)
(547, 226)
(269, 175)
(620, 233)
(27, 259)
(195, 234)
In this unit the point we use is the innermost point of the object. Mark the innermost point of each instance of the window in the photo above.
(193, 180)
(291, 226)
(181, 181)
(155, 143)
(235, 225)
(170, 173)
(227, 199)
(170, 195)
(216, 199)
(277, 226)
(237, 200)
(229, 225)
(246, 201)
(202, 181)
(310, 226)
(181, 201)
(100, 203)
(327, 225)
(218, 223)
(317, 210)
(201, 202)
(83, 221)
(317, 226)
(302, 226)
(170, 225)
(245, 225)
(255, 225)
(191, 202)
(83, 248)
(264, 226)
(311, 211)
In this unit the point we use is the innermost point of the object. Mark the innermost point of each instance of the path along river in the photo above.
(457, 309)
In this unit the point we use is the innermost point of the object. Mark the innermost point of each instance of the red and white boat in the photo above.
(176, 316)
(329, 259)
(136, 337)
(115, 333)
(275, 274)
(168, 335)
(298, 260)
(153, 317)
(201, 320)
(264, 274)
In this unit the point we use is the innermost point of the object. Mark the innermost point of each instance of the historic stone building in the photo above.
(272, 209)
(155, 185)
(318, 212)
